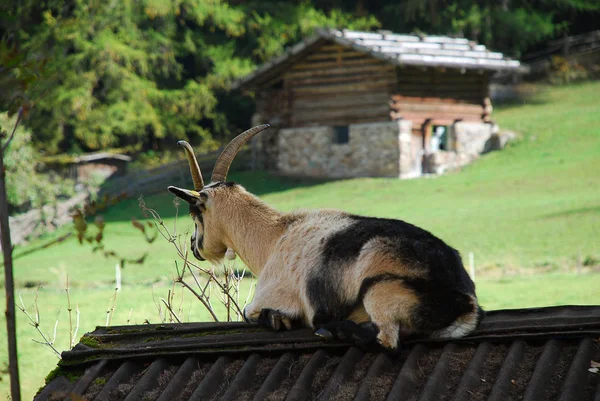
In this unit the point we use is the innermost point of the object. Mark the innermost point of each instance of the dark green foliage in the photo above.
(510, 26)
(142, 73)
(26, 186)
(138, 72)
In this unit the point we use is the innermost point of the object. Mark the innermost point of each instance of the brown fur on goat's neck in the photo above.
(249, 226)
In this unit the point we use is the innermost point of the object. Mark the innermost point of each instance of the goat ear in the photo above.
(187, 195)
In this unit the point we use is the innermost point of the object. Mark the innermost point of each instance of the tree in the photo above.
(129, 72)
(510, 26)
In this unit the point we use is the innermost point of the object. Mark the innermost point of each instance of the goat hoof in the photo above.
(325, 334)
(274, 320)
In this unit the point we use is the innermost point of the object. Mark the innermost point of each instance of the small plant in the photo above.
(564, 70)
(48, 340)
(590, 261)
(224, 286)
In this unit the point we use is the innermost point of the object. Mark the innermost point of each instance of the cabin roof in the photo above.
(397, 49)
(529, 354)
(90, 157)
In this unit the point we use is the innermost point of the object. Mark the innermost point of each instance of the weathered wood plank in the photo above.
(332, 102)
(396, 97)
(437, 107)
(341, 112)
(315, 97)
(332, 47)
(339, 71)
(343, 121)
(333, 55)
(329, 64)
(421, 116)
(438, 71)
(474, 87)
(441, 79)
(464, 97)
(374, 85)
(362, 77)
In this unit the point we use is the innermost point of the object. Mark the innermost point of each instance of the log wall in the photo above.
(336, 85)
(441, 96)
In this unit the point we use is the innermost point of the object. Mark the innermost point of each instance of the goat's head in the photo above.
(213, 204)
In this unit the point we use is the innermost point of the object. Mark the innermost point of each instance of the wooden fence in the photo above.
(147, 182)
(567, 46)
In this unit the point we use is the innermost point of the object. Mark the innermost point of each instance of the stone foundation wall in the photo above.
(471, 138)
(265, 150)
(385, 149)
(468, 141)
(373, 150)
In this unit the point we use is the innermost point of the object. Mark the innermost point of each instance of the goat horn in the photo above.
(224, 161)
(194, 168)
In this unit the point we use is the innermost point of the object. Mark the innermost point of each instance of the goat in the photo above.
(362, 279)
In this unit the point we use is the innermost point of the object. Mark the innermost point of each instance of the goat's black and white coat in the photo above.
(353, 277)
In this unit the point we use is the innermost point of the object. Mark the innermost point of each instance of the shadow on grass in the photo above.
(259, 183)
(571, 212)
(521, 95)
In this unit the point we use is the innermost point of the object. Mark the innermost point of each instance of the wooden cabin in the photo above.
(339, 79)
(102, 165)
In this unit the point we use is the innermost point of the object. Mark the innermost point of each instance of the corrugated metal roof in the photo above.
(532, 354)
(429, 51)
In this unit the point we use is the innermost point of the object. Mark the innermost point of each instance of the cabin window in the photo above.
(341, 134)
(439, 138)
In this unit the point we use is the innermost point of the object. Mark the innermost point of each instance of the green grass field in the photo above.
(530, 214)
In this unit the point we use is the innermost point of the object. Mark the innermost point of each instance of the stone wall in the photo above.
(384, 149)
(471, 138)
(410, 163)
(372, 150)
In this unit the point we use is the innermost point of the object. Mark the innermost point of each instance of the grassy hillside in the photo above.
(533, 208)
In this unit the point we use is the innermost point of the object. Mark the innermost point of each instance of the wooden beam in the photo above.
(437, 107)
(336, 102)
(396, 97)
(343, 121)
(362, 77)
(438, 118)
(333, 47)
(348, 112)
(374, 85)
(339, 71)
(333, 55)
(328, 64)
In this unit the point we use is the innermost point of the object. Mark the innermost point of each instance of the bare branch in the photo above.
(74, 338)
(227, 287)
(36, 325)
(158, 306)
(110, 311)
(168, 306)
(69, 310)
(55, 327)
(201, 299)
